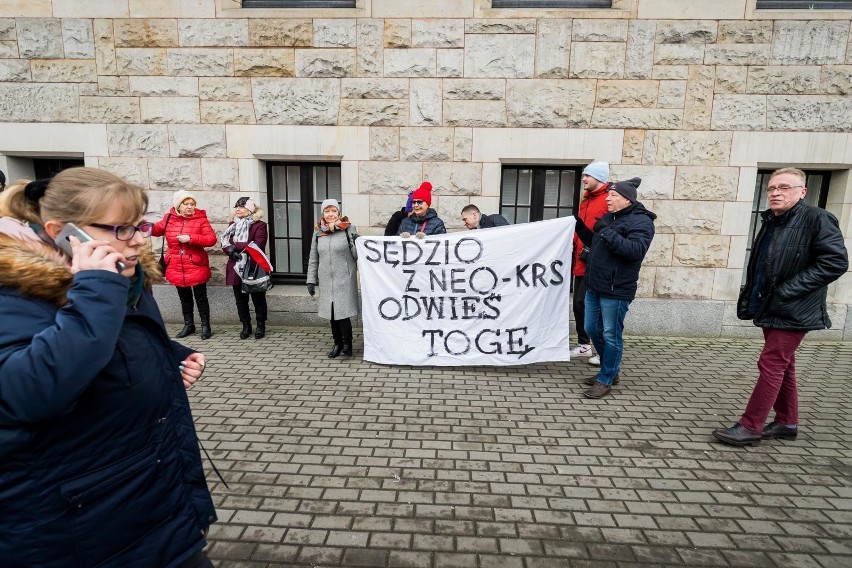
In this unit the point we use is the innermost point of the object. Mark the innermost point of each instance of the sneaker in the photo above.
(596, 361)
(582, 350)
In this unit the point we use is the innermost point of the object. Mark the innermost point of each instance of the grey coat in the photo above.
(332, 268)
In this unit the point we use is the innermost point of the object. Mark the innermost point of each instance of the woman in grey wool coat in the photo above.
(332, 268)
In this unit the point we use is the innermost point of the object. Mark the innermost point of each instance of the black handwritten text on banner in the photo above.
(486, 297)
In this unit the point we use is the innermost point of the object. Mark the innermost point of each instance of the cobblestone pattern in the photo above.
(348, 463)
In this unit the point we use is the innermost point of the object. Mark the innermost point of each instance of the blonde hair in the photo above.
(78, 195)
(793, 171)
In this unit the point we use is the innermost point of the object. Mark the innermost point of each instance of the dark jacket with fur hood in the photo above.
(99, 460)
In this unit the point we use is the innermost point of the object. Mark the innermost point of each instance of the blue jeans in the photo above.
(605, 325)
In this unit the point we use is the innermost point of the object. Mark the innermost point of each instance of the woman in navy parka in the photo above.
(99, 460)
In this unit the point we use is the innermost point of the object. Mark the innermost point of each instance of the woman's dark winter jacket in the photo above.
(258, 234)
(617, 246)
(805, 254)
(187, 264)
(429, 223)
(392, 228)
(99, 460)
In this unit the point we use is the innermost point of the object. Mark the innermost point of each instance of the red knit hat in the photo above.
(423, 193)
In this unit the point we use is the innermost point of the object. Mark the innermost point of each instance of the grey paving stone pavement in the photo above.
(340, 462)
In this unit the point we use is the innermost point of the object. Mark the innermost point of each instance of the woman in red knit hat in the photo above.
(424, 220)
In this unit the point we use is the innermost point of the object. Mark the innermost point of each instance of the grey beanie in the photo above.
(627, 188)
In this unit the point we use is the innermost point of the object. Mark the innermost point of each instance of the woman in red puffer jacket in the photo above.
(187, 233)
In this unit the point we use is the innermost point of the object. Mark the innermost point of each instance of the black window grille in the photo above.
(537, 193)
(551, 3)
(298, 3)
(49, 167)
(804, 5)
(296, 190)
(817, 182)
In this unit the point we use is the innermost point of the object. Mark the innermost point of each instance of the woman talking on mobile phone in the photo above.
(99, 459)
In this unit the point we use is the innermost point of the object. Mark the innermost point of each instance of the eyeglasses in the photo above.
(417, 202)
(772, 188)
(126, 232)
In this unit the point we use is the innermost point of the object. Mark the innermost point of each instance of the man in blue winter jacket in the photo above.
(617, 244)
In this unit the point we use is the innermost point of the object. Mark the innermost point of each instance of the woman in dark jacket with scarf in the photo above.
(187, 233)
(424, 220)
(99, 460)
(246, 228)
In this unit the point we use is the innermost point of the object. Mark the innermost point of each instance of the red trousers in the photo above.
(776, 386)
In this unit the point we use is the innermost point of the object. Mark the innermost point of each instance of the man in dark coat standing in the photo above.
(617, 246)
(473, 219)
(797, 253)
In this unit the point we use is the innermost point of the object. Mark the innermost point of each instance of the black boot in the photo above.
(246, 330)
(200, 292)
(261, 330)
(346, 332)
(188, 327)
(206, 332)
(337, 334)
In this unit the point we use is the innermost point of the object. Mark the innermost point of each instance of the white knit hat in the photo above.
(180, 196)
(329, 203)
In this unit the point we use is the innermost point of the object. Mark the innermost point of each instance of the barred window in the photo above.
(551, 3)
(298, 3)
(804, 5)
(536, 193)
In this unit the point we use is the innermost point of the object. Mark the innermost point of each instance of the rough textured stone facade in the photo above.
(693, 97)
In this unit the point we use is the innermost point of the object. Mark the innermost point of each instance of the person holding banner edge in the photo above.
(473, 219)
(332, 268)
(245, 228)
(424, 220)
(392, 227)
(592, 207)
(617, 246)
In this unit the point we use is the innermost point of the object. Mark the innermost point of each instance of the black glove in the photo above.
(235, 255)
(312, 289)
(603, 223)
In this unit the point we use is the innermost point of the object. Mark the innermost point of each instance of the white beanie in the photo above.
(329, 203)
(180, 196)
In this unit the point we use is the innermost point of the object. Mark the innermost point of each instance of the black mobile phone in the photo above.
(72, 230)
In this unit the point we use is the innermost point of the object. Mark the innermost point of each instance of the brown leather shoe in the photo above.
(590, 382)
(598, 390)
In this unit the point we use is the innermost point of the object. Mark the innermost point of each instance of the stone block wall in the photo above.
(692, 97)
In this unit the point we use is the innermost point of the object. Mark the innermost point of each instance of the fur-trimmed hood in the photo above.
(39, 271)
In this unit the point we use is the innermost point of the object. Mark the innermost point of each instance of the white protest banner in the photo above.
(485, 297)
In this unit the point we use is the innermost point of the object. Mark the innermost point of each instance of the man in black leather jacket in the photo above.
(797, 253)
